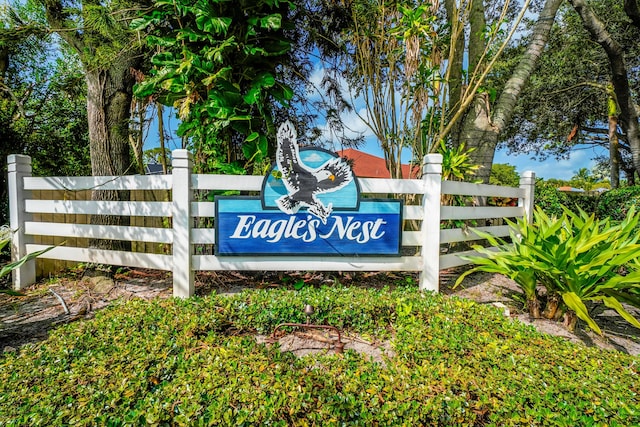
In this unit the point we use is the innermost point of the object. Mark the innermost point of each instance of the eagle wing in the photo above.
(341, 172)
(288, 158)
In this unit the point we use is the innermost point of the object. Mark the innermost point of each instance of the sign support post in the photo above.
(432, 184)
(19, 167)
(183, 274)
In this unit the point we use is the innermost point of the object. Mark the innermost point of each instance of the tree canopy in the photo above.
(42, 100)
(445, 72)
(571, 99)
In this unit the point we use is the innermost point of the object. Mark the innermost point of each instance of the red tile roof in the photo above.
(365, 165)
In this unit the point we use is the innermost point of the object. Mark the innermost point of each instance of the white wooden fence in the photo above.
(421, 249)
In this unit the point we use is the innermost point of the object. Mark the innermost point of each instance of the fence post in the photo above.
(432, 178)
(19, 166)
(183, 275)
(528, 183)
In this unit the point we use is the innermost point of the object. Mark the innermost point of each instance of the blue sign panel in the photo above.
(244, 228)
(310, 204)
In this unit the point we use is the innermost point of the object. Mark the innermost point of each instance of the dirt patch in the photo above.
(304, 343)
(48, 304)
(29, 318)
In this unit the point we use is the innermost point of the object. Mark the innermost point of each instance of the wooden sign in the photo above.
(309, 205)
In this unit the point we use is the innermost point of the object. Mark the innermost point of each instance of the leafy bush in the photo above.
(615, 204)
(575, 257)
(586, 202)
(549, 199)
(194, 362)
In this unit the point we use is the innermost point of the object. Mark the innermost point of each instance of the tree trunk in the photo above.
(628, 116)
(481, 126)
(163, 150)
(109, 94)
(455, 74)
(533, 306)
(477, 27)
(614, 152)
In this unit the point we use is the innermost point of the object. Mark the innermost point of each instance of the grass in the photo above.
(196, 362)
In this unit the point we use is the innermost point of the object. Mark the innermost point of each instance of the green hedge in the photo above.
(549, 199)
(586, 202)
(616, 203)
(195, 362)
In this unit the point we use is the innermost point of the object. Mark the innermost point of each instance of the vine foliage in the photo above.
(216, 63)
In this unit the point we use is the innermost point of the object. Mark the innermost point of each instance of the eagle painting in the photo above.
(303, 183)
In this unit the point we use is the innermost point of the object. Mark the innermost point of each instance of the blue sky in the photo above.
(552, 168)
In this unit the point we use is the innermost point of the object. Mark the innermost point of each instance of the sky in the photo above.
(552, 168)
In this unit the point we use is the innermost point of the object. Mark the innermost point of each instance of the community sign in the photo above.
(309, 205)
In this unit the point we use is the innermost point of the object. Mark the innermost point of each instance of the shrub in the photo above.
(582, 201)
(192, 362)
(575, 257)
(616, 203)
(549, 199)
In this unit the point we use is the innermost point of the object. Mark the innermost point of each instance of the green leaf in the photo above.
(139, 24)
(252, 96)
(574, 302)
(252, 137)
(213, 24)
(161, 41)
(288, 92)
(263, 80)
(613, 303)
(271, 22)
(17, 264)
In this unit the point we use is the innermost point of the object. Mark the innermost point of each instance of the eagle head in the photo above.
(323, 174)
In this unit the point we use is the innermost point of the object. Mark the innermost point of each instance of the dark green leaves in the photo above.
(215, 25)
(197, 362)
(219, 61)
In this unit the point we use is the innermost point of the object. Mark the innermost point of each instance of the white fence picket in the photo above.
(102, 256)
(460, 188)
(109, 232)
(311, 263)
(479, 212)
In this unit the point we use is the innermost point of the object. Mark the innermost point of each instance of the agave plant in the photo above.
(575, 257)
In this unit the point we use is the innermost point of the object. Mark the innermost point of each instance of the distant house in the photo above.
(366, 165)
(568, 189)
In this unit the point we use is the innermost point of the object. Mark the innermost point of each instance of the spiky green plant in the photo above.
(575, 257)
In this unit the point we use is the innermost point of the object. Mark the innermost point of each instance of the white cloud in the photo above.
(313, 157)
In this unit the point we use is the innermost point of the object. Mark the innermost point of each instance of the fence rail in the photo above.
(168, 234)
